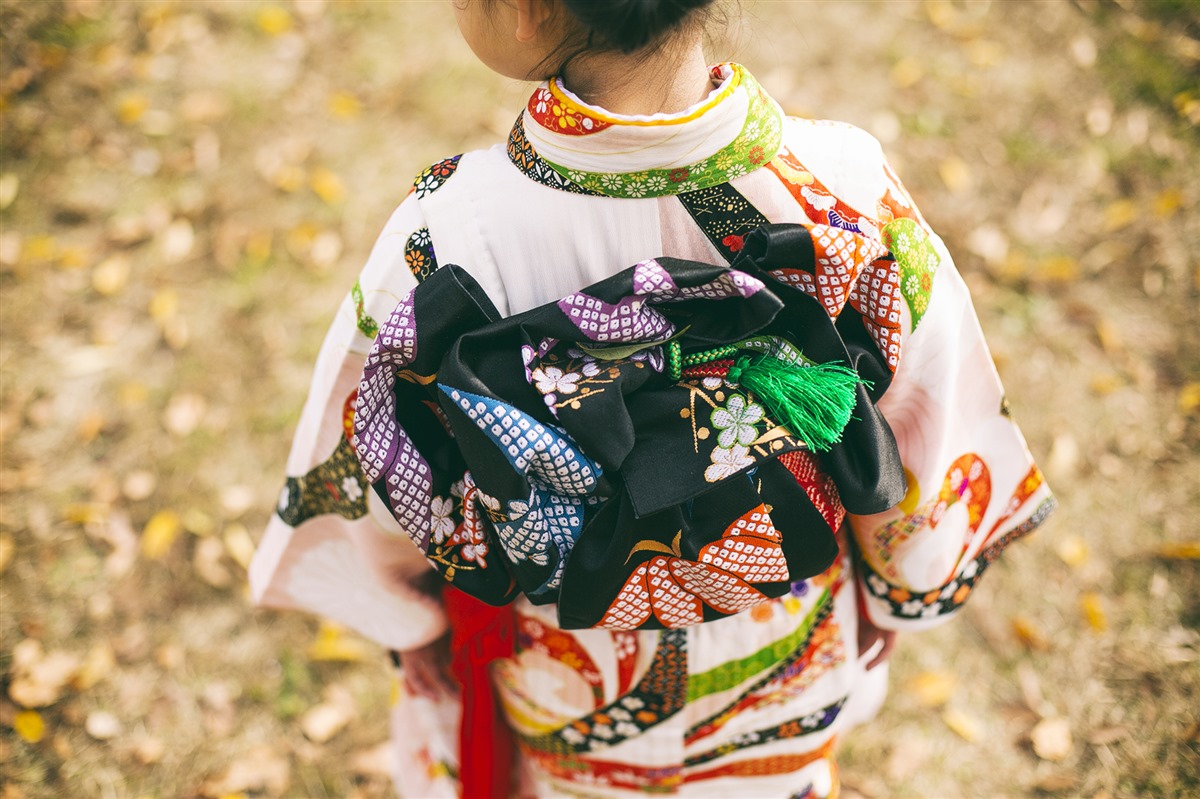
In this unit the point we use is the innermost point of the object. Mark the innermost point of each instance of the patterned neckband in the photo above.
(562, 142)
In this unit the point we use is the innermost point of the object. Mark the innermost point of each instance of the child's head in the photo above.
(533, 39)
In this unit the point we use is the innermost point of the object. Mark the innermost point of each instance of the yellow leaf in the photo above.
(90, 426)
(160, 532)
(258, 247)
(1093, 611)
(1104, 384)
(29, 725)
(131, 107)
(1059, 269)
(72, 257)
(133, 394)
(239, 545)
(1109, 336)
(1120, 214)
(1180, 550)
(906, 72)
(941, 13)
(344, 105)
(111, 275)
(289, 178)
(164, 305)
(933, 688)
(1168, 202)
(964, 726)
(274, 20)
(1029, 634)
(332, 644)
(40, 248)
(327, 185)
(1189, 398)
(1072, 550)
(10, 184)
(955, 173)
(85, 512)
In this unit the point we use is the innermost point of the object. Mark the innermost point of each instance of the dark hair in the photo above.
(630, 25)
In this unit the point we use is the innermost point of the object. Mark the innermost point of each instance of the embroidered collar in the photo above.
(563, 142)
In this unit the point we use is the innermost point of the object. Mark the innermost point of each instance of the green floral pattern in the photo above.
(757, 143)
(918, 261)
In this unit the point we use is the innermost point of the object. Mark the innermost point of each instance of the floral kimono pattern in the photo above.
(746, 703)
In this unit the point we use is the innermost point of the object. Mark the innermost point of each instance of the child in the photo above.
(637, 150)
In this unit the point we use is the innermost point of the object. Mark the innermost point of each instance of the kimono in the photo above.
(750, 701)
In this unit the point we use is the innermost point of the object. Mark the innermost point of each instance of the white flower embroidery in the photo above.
(443, 525)
(571, 735)
(352, 489)
(551, 379)
(737, 421)
(590, 368)
(633, 703)
(735, 171)
(878, 586)
(627, 729)
(726, 462)
(656, 183)
(602, 731)
(476, 552)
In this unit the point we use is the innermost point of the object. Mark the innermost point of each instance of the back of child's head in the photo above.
(630, 25)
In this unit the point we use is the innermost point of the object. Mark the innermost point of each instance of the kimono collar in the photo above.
(561, 141)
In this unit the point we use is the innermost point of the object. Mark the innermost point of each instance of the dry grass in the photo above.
(168, 264)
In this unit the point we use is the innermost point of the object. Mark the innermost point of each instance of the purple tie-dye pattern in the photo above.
(629, 320)
(384, 449)
(650, 279)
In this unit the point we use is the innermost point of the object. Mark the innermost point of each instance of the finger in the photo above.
(889, 642)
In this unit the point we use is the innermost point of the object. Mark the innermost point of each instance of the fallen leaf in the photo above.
(330, 717)
(139, 485)
(29, 725)
(1168, 202)
(1052, 739)
(906, 72)
(955, 174)
(1072, 550)
(1059, 269)
(239, 545)
(273, 20)
(7, 548)
(933, 688)
(263, 769)
(1108, 735)
(1029, 635)
(198, 522)
(207, 562)
(342, 105)
(331, 643)
(1058, 782)
(375, 762)
(102, 725)
(1119, 214)
(131, 107)
(1093, 611)
(327, 185)
(164, 305)
(184, 413)
(111, 275)
(160, 533)
(961, 724)
(39, 677)
(97, 664)
(90, 426)
(1180, 550)
(10, 184)
(40, 248)
(149, 751)
(1189, 398)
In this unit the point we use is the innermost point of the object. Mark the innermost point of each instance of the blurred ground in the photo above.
(187, 190)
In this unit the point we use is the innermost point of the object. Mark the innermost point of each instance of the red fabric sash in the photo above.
(481, 634)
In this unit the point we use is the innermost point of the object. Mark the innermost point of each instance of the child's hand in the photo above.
(426, 670)
(869, 635)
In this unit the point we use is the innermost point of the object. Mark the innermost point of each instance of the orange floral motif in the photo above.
(560, 116)
(676, 590)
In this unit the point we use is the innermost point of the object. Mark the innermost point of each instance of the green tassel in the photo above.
(813, 402)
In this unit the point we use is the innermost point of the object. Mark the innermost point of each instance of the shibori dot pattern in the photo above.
(840, 257)
(534, 525)
(545, 453)
(382, 446)
(755, 561)
(651, 280)
(627, 320)
(676, 591)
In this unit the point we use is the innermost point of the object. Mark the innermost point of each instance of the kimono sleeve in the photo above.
(972, 486)
(332, 547)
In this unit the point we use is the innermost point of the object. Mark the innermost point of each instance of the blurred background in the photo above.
(188, 189)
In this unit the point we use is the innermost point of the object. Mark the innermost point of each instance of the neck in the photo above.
(664, 82)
